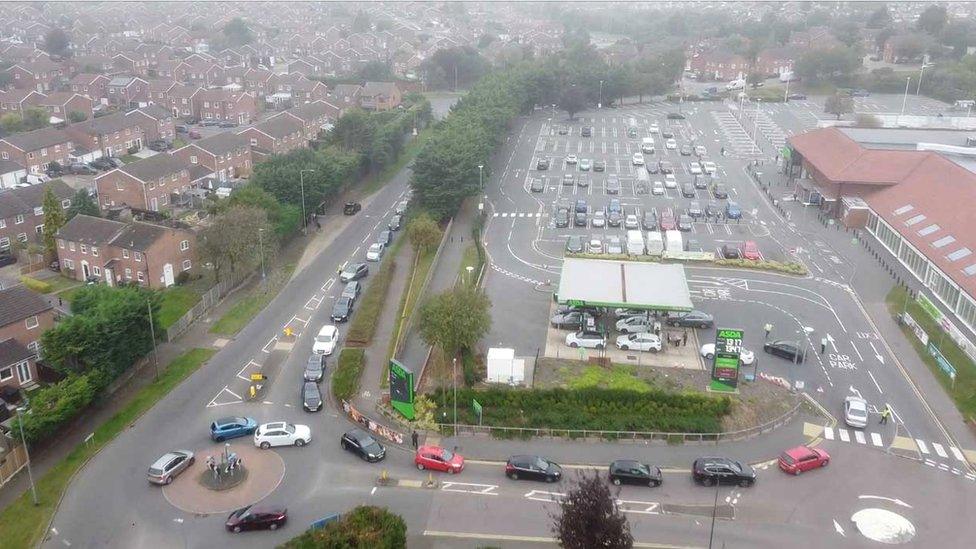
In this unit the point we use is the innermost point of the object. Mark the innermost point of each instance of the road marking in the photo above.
(921, 446)
(646, 507)
(943, 467)
(373, 491)
(844, 436)
(955, 452)
(839, 529)
(859, 435)
(939, 450)
(876, 439)
(829, 433)
(271, 342)
(328, 284)
(930, 463)
(875, 382)
(470, 488)
(542, 495)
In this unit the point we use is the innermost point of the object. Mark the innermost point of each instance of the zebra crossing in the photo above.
(517, 214)
(926, 448)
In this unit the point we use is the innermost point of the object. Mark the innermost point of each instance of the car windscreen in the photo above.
(447, 455)
(155, 471)
(324, 338)
(290, 429)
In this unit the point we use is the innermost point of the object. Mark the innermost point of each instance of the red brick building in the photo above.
(156, 122)
(35, 150)
(92, 85)
(220, 104)
(17, 101)
(227, 155)
(24, 316)
(127, 91)
(62, 104)
(113, 135)
(22, 214)
(719, 65)
(276, 135)
(145, 184)
(41, 75)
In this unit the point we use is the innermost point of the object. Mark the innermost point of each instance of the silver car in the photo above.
(856, 412)
(614, 245)
(169, 466)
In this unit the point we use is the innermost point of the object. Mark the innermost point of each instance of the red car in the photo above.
(257, 517)
(750, 251)
(800, 459)
(436, 458)
(667, 220)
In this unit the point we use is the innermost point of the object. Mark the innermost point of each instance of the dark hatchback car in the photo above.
(532, 468)
(692, 319)
(542, 164)
(342, 309)
(562, 217)
(537, 185)
(587, 131)
(730, 252)
(675, 116)
(314, 368)
(354, 271)
(351, 208)
(785, 349)
(311, 397)
(385, 237)
(649, 222)
(719, 470)
(363, 445)
(352, 290)
(395, 221)
(688, 189)
(257, 517)
(628, 471)
(574, 244)
(719, 191)
(579, 220)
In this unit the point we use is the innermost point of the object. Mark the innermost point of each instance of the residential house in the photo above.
(303, 90)
(226, 154)
(17, 101)
(775, 61)
(113, 135)
(24, 316)
(22, 212)
(128, 91)
(36, 149)
(41, 75)
(92, 85)
(346, 96)
(276, 135)
(156, 122)
(220, 104)
(380, 96)
(131, 252)
(260, 82)
(144, 184)
(315, 117)
(62, 104)
(11, 173)
(179, 101)
(719, 65)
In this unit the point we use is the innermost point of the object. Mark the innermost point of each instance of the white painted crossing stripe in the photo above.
(939, 449)
(859, 435)
(843, 435)
(876, 439)
(829, 433)
(957, 453)
(943, 466)
(922, 446)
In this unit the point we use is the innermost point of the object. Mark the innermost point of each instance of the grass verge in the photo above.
(374, 182)
(410, 299)
(349, 368)
(247, 308)
(23, 524)
(963, 391)
(50, 285)
(174, 302)
(367, 315)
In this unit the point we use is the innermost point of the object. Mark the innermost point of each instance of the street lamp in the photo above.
(261, 249)
(481, 173)
(30, 474)
(470, 269)
(152, 334)
(599, 104)
(920, 73)
(301, 178)
(755, 126)
(908, 80)
(454, 375)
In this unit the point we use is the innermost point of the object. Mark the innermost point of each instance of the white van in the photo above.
(738, 84)
(655, 243)
(674, 241)
(635, 243)
(37, 178)
(647, 145)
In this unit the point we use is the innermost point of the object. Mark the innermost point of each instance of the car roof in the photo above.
(799, 452)
(231, 419)
(430, 448)
(625, 463)
(165, 458)
(328, 329)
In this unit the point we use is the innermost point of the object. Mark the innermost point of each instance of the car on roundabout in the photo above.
(642, 341)
(169, 466)
(281, 433)
(436, 458)
(257, 517)
(629, 471)
(746, 357)
(230, 427)
(802, 459)
(362, 444)
(533, 468)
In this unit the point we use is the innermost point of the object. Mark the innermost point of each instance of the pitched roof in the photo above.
(154, 111)
(312, 111)
(379, 88)
(8, 166)
(12, 352)
(279, 126)
(18, 303)
(23, 200)
(90, 230)
(154, 167)
(843, 160)
(139, 236)
(38, 139)
(221, 143)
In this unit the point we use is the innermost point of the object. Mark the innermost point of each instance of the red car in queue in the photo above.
(801, 459)
(436, 458)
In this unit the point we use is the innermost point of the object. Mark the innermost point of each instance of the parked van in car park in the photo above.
(635, 243)
(655, 243)
(673, 241)
(647, 145)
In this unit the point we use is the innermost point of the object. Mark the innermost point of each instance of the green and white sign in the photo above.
(401, 389)
(725, 365)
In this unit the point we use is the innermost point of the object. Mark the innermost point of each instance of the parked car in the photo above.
(401, 207)
(585, 164)
(7, 258)
(720, 470)
(654, 128)
(436, 458)
(642, 341)
(194, 134)
(694, 168)
(542, 164)
(209, 122)
(375, 252)
(631, 222)
(342, 309)
(685, 150)
(311, 397)
(613, 184)
(712, 209)
(537, 185)
(796, 96)
(594, 246)
(709, 167)
(637, 159)
(280, 433)
(691, 319)
(782, 348)
(670, 144)
(363, 445)
(667, 134)
(649, 221)
(667, 167)
(354, 271)
(719, 191)
(652, 167)
(352, 290)
(614, 219)
(695, 209)
(569, 179)
(732, 210)
(634, 324)
(599, 166)
(314, 368)
(802, 459)
(667, 220)
(700, 150)
(629, 471)
(701, 183)
(746, 357)
(572, 159)
(587, 131)
(395, 221)
(684, 222)
(562, 217)
(102, 163)
(326, 340)
(158, 145)
(351, 208)
(574, 244)
(573, 319)
(632, 132)
(257, 517)
(180, 128)
(670, 182)
(385, 237)
(615, 245)
(675, 116)
(599, 219)
(169, 466)
(586, 339)
(227, 428)
(688, 189)
(563, 130)
(856, 412)
(532, 468)
(657, 188)
(579, 219)
(583, 181)
(730, 251)
(77, 168)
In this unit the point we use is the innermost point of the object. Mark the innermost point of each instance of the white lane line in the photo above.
(943, 466)
(921, 446)
(859, 435)
(843, 435)
(930, 463)
(270, 343)
(328, 284)
(956, 471)
(955, 452)
(875, 382)
(939, 450)
(373, 491)
(829, 433)
(876, 439)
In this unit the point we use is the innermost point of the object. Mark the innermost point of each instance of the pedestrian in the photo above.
(339, 271)
(684, 339)
(768, 328)
(885, 414)
(452, 239)
(823, 345)
(413, 438)
(462, 238)
(60, 302)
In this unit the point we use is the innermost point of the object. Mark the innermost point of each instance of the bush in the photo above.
(36, 285)
(365, 527)
(53, 406)
(349, 368)
(789, 268)
(367, 314)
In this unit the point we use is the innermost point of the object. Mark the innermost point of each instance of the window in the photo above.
(3, 223)
(254, 141)
(128, 273)
(65, 204)
(125, 253)
(95, 251)
(186, 264)
(6, 373)
(4, 155)
(71, 246)
(33, 347)
(19, 219)
(4, 243)
(32, 322)
(39, 228)
(22, 237)
(84, 249)
(39, 210)
(140, 276)
(69, 264)
(184, 245)
(943, 288)
(193, 160)
(23, 372)
(96, 270)
(138, 256)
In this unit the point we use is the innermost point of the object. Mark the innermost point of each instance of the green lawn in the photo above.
(349, 368)
(129, 158)
(470, 259)
(963, 391)
(175, 302)
(51, 285)
(23, 524)
(619, 376)
(246, 309)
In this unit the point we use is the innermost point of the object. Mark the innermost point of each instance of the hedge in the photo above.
(791, 267)
(349, 368)
(53, 406)
(36, 285)
(365, 527)
(594, 409)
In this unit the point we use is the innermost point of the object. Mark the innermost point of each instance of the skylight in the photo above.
(928, 230)
(959, 254)
(914, 220)
(970, 270)
(944, 241)
(904, 209)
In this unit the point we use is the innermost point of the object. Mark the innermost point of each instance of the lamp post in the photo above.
(755, 126)
(481, 173)
(30, 474)
(470, 269)
(904, 100)
(599, 103)
(301, 179)
(921, 71)
(454, 376)
(152, 334)
(261, 249)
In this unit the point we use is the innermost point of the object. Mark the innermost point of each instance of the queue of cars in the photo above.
(639, 329)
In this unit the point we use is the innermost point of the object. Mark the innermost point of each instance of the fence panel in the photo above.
(208, 301)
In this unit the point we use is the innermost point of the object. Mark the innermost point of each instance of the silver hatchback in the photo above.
(169, 466)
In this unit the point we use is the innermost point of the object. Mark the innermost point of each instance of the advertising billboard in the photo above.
(725, 365)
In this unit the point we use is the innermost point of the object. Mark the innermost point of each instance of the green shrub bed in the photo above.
(349, 368)
(367, 315)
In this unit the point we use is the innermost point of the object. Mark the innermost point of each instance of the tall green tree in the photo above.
(56, 42)
(423, 232)
(82, 203)
(36, 118)
(588, 517)
(572, 100)
(879, 18)
(455, 320)
(838, 105)
(54, 219)
(237, 33)
(231, 242)
(932, 20)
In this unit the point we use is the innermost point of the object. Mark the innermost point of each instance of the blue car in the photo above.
(232, 427)
(732, 211)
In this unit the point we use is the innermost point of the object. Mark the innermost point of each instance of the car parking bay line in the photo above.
(247, 365)
(328, 284)
(269, 345)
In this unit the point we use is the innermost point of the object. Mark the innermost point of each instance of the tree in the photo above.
(376, 71)
(77, 116)
(56, 42)
(53, 406)
(455, 320)
(362, 527)
(237, 33)
(589, 517)
(572, 100)
(838, 105)
(36, 118)
(360, 23)
(932, 20)
(230, 243)
(879, 18)
(830, 64)
(54, 219)
(11, 123)
(423, 232)
(82, 203)
(453, 68)
(911, 46)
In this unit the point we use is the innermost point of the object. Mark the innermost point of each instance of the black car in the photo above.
(542, 164)
(796, 96)
(587, 131)
(695, 209)
(158, 145)
(579, 220)
(574, 244)
(628, 471)
(719, 191)
(57, 170)
(667, 167)
(351, 208)
(227, 124)
(181, 129)
(614, 219)
(562, 217)
(385, 237)
(103, 163)
(730, 252)
(652, 167)
(314, 368)
(537, 186)
(342, 309)
(789, 350)
(632, 132)
(352, 290)
(691, 319)
(81, 169)
(675, 116)
(649, 222)
(713, 209)
(354, 271)
(667, 134)
(532, 468)
(685, 150)
(257, 517)
(311, 397)
(581, 206)
(599, 166)
(688, 190)
(207, 122)
(6, 258)
(363, 445)
(719, 470)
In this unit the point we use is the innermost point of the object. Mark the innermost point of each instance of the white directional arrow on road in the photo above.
(856, 392)
(877, 355)
(896, 501)
(830, 339)
(839, 529)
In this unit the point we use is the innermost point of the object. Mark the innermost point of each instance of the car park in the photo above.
(375, 252)
(695, 209)
(688, 189)
(629, 471)
(281, 433)
(657, 188)
(640, 341)
(594, 246)
(670, 144)
(542, 164)
(362, 444)
(311, 397)
(537, 185)
(667, 220)
(257, 517)
(435, 458)
(694, 168)
(649, 221)
(586, 339)
(227, 428)
(709, 167)
(532, 468)
(585, 165)
(326, 340)
(314, 368)
(750, 251)
(719, 191)
(691, 319)
(746, 357)
(351, 208)
(613, 184)
(856, 412)
(354, 271)
(730, 251)
(720, 470)
(571, 159)
(684, 222)
(599, 219)
(341, 310)
(790, 350)
(614, 245)
(802, 459)
(574, 244)
(599, 166)
(169, 466)
(637, 159)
